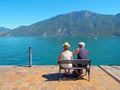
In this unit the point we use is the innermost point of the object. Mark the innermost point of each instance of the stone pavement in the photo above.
(113, 70)
(46, 78)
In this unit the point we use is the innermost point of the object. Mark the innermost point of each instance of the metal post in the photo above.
(30, 56)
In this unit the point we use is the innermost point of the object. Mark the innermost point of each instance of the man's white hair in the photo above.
(82, 43)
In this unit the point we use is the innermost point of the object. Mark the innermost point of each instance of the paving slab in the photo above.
(46, 78)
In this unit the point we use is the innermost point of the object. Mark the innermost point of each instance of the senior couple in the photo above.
(66, 54)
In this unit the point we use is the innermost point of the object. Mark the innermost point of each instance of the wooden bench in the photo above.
(75, 65)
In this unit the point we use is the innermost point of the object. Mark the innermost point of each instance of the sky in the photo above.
(15, 13)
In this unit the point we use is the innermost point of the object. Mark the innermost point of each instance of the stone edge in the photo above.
(110, 73)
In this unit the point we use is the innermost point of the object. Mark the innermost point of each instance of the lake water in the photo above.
(45, 51)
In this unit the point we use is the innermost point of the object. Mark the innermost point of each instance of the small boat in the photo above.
(95, 38)
(45, 36)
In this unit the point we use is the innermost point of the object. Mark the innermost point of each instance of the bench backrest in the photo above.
(77, 61)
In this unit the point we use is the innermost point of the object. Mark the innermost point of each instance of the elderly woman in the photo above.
(66, 55)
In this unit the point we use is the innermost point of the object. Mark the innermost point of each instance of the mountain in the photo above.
(4, 30)
(79, 23)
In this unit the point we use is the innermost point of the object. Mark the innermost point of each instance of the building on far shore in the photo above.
(1, 34)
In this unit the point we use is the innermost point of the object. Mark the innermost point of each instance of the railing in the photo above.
(30, 56)
(20, 54)
(30, 52)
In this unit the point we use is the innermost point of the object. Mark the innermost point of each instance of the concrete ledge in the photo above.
(110, 73)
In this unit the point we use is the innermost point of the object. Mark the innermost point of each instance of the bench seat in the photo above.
(75, 65)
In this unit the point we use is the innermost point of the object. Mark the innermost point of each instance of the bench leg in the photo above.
(59, 74)
(88, 74)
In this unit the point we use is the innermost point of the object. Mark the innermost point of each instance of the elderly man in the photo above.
(82, 53)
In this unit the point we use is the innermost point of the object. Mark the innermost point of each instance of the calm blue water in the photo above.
(14, 50)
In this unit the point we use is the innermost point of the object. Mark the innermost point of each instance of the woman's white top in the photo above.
(66, 56)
